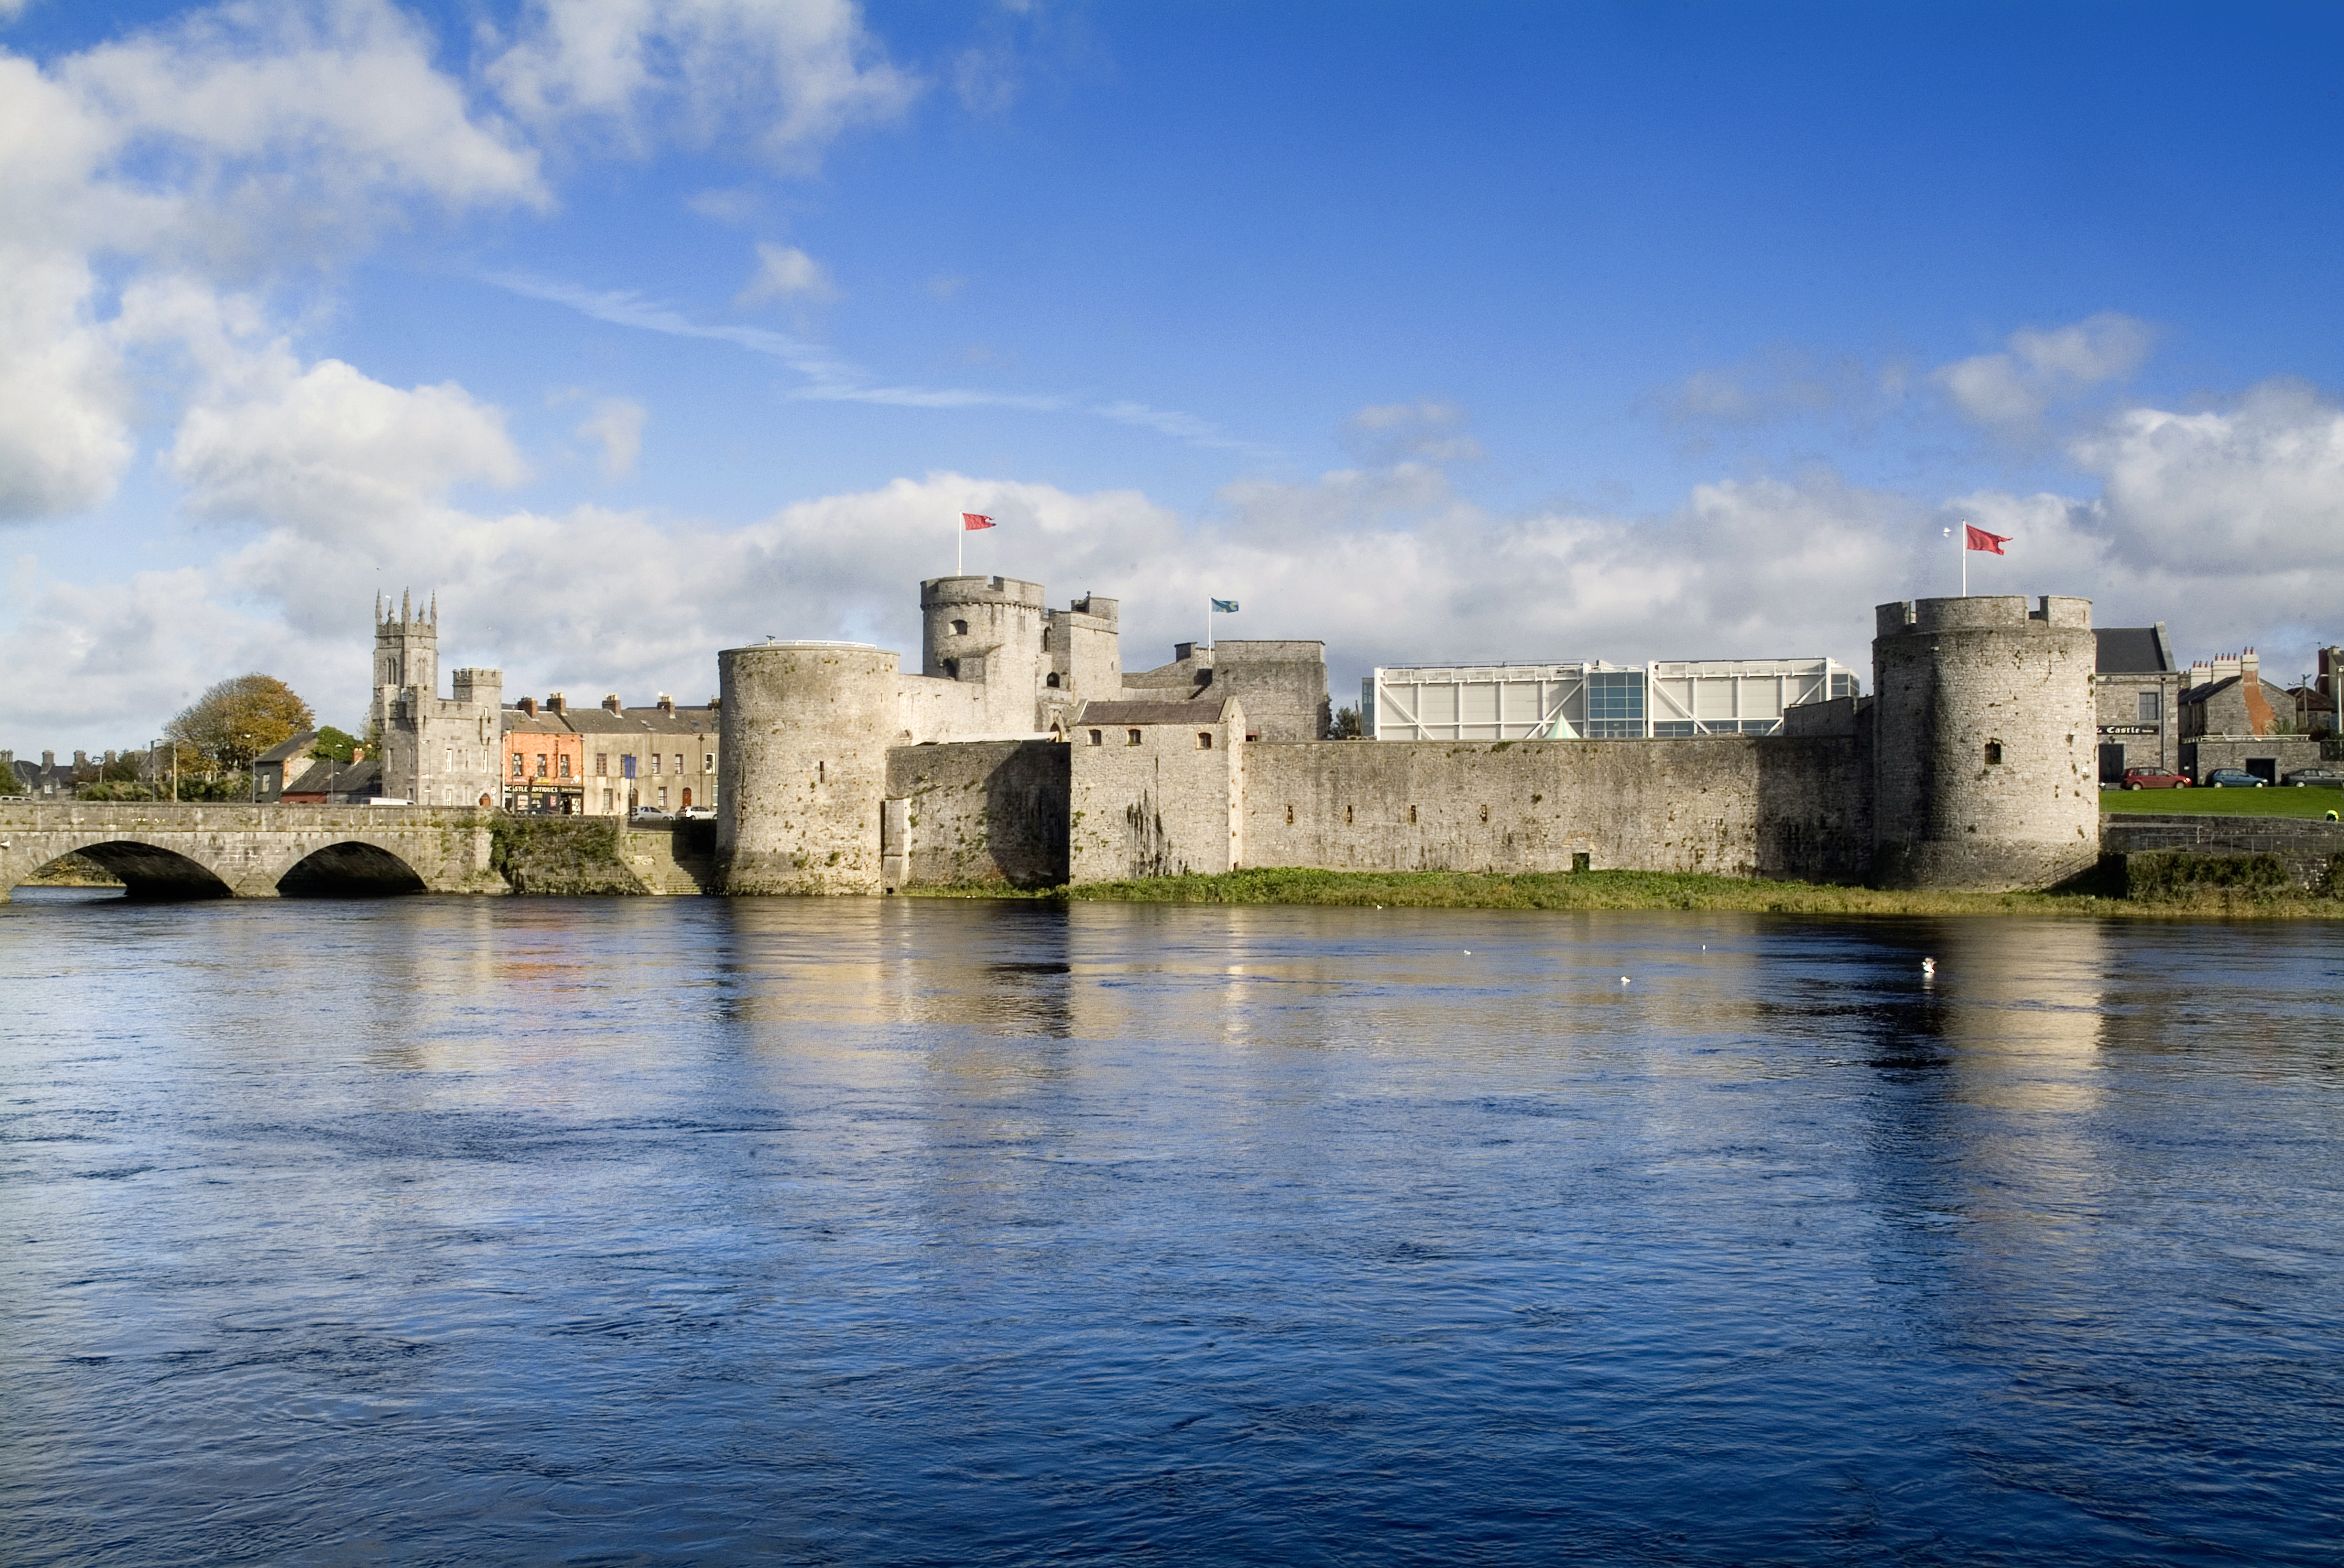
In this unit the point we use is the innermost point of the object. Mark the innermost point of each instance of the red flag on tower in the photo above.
(1979, 539)
(977, 520)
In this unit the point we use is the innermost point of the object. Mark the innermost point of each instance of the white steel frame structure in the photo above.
(1592, 700)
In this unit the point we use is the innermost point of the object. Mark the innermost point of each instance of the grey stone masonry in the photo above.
(1985, 742)
(160, 849)
(2308, 846)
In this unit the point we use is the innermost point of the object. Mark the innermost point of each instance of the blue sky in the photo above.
(638, 329)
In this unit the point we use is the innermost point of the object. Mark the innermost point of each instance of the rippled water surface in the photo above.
(913, 1232)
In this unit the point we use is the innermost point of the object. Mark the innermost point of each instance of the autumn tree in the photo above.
(237, 720)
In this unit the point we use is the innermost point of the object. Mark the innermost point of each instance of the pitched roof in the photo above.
(1152, 712)
(328, 777)
(2130, 650)
(284, 750)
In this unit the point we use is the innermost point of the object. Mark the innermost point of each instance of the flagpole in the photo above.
(960, 547)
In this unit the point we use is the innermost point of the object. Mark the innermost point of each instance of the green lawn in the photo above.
(2273, 801)
(1660, 890)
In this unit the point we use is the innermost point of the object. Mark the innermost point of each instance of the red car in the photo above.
(2154, 779)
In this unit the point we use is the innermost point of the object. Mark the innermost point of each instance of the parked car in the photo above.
(2154, 779)
(2331, 777)
(699, 813)
(2232, 779)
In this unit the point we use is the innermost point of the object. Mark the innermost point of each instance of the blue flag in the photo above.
(1226, 606)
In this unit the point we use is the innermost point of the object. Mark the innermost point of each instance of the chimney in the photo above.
(528, 706)
(48, 759)
(357, 753)
(2251, 665)
(81, 761)
(612, 703)
(666, 703)
(716, 705)
(554, 704)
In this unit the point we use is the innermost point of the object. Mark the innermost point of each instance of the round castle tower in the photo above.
(988, 631)
(804, 730)
(1985, 757)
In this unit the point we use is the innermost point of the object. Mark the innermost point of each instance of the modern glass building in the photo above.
(1592, 700)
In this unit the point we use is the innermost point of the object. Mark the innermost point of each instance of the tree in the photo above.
(237, 720)
(333, 745)
(1346, 726)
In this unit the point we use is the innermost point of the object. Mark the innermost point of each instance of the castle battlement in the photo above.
(1981, 612)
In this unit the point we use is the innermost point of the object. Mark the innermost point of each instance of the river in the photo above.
(914, 1231)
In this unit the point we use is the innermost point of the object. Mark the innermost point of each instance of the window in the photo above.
(1290, 816)
(601, 764)
(662, 797)
(952, 670)
(1097, 738)
(2151, 711)
(1485, 813)
(540, 765)
(561, 765)
(627, 766)
(960, 628)
(678, 762)
(517, 769)
(1051, 680)
(446, 760)
(655, 764)
(1994, 753)
(1615, 705)
(1204, 741)
(1347, 816)
(1411, 815)
(1132, 738)
(707, 763)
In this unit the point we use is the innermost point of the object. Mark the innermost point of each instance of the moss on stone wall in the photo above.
(561, 856)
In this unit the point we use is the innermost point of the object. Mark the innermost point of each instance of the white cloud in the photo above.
(331, 452)
(1425, 431)
(171, 162)
(2041, 368)
(2259, 489)
(616, 426)
(785, 272)
(64, 409)
(791, 73)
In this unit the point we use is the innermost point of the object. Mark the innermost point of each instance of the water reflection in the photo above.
(892, 1231)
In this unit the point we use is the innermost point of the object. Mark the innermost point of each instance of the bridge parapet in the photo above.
(244, 850)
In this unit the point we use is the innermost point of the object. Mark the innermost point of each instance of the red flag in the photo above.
(975, 520)
(1979, 539)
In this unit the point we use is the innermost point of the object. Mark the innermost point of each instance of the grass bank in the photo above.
(2277, 800)
(1659, 890)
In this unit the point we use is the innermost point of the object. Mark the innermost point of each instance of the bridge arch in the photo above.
(348, 869)
(146, 871)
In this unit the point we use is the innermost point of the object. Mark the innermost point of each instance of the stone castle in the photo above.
(1020, 752)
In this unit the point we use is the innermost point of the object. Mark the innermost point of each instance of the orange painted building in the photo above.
(543, 762)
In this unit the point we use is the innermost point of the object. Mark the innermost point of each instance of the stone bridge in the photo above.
(193, 851)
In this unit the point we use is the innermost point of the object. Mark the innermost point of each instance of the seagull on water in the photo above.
(1928, 969)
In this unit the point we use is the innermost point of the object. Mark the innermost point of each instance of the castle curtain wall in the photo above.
(1737, 806)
